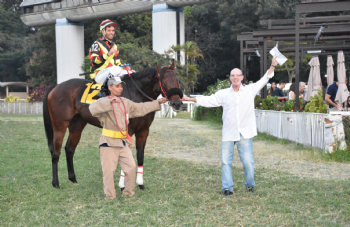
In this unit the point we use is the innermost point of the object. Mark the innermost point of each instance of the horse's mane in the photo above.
(146, 73)
(143, 79)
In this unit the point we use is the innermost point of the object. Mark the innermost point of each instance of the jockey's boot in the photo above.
(104, 89)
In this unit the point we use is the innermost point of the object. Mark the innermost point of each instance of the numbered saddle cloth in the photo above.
(88, 93)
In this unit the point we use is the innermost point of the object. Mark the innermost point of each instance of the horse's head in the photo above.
(170, 85)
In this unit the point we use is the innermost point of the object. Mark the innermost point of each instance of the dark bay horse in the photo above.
(62, 110)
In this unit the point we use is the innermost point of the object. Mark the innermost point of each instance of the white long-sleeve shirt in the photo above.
(238, 109)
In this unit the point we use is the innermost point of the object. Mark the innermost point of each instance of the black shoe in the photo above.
(103, 93)
(250, 189)
(104, 89)
(227, 193)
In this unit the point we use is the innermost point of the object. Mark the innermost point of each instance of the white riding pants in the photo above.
(107, 72)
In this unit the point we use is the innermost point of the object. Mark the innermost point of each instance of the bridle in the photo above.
(161, 84)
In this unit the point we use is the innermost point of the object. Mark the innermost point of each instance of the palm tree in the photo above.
(192, 52)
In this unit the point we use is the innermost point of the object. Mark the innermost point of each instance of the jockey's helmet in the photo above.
(106, 23)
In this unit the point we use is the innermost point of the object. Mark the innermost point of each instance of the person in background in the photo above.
(279, 92)
(272, 89)
(291, 94)
(330, 96)
(302, 90)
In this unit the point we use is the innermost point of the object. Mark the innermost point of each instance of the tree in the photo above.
(12, 53)
(214, 27)
(289, 68)
(134, 29)
(11, 4)
(192, 52)
(42, 67)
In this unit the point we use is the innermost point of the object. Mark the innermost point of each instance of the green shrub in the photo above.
(346, 124)
(257, 102)
(220, 84)
(200, 113)
(316, 104)
(211, 114)
(290, 106)
(270, 103)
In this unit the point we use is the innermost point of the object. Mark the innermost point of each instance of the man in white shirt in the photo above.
(239, 124)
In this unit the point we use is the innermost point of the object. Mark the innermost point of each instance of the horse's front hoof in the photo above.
(122, 189)
(73, 180)
(55, 185)
(142, 187)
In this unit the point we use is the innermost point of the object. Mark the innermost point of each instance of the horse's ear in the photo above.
(157, 67)
(172, 67)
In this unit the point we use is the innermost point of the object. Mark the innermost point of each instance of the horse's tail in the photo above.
(47, 120)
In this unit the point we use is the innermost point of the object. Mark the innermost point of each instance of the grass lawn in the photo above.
(178, 193)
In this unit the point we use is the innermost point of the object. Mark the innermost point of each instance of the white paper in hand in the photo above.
(281, 59)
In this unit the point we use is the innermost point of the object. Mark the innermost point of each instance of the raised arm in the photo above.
(256, 87)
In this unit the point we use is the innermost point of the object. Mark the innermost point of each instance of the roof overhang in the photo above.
(19, 84)
(36, 2)
(90, 11)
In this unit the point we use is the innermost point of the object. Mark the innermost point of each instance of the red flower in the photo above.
(282, 100)
(301, 108)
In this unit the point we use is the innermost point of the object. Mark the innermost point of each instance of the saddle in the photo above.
(89, 93)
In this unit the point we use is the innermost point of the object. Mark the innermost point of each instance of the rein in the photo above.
(138, 87)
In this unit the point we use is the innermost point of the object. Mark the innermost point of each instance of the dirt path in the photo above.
(188, 140)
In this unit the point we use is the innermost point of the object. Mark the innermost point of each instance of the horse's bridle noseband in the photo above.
(171, 91)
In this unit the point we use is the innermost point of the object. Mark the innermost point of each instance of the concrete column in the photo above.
(168, 25)
(69, 49)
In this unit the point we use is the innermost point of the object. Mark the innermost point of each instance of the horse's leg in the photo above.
(141, 137)
(76, 126)
(59, 132)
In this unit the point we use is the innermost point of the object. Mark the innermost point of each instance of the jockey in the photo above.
(104, 56)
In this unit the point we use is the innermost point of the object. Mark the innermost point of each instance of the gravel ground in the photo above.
(188, 140)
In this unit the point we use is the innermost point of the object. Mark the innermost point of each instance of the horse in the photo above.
(62, 110)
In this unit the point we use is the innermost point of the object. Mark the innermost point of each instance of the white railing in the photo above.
(35, 108)
(166, 111)
(304, 128)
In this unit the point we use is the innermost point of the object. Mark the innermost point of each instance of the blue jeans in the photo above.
(245, 150)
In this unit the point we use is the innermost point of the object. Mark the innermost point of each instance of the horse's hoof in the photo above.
(74, 181)
(142, 187)
(122, 189)
(55, 185)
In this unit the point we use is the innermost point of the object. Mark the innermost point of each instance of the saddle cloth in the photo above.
(88, 93)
